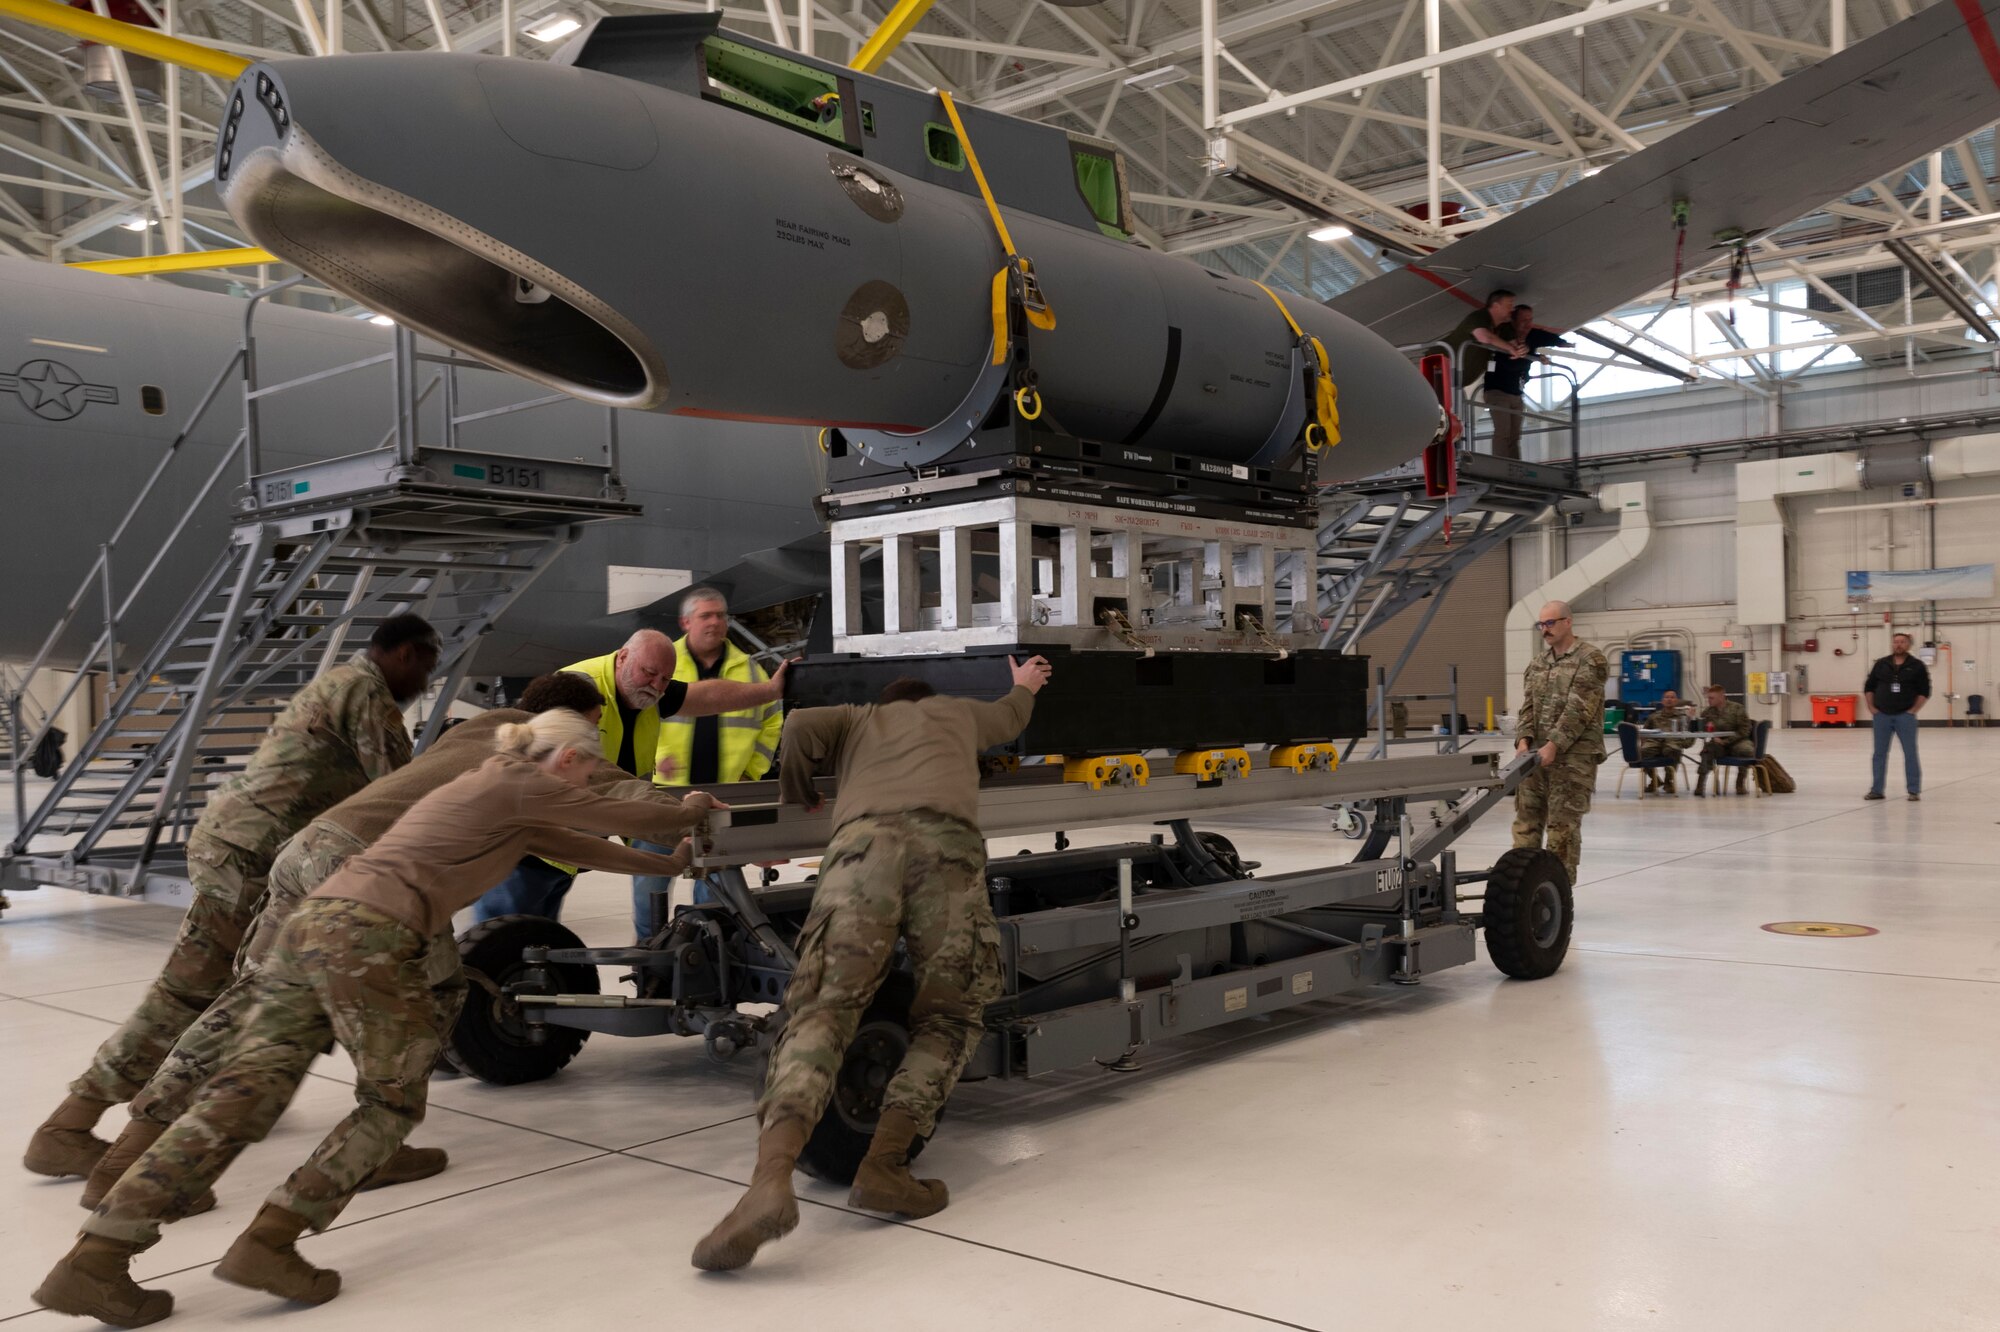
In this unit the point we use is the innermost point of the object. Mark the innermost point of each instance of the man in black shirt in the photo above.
(1507, 380)
(1898, 687)
(1481, 334)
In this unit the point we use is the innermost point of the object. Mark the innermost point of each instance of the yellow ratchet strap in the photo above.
(1032, 302)
(1326, 398)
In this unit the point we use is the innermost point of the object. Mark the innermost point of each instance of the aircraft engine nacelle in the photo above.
(642, 242)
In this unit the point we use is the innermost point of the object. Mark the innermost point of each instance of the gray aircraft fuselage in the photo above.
(79, 353)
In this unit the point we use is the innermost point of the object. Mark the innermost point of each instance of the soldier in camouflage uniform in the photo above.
(309, 859)
(1722, 715)
(1562, 718)
(337, 734)
(356, 964)
(1662, 718)
(908, 861)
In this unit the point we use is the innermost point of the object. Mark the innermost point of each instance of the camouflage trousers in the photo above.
(228, 884)
(1550, 804)
(339, 969)
(922, 876)
(1663, 748)
(1716, 749)
(305, 862)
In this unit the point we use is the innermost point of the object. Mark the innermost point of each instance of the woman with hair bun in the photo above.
(352, 966)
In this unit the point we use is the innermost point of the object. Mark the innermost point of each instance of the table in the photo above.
(1648, 733)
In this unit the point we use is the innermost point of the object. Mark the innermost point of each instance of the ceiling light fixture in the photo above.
(382, 320)
(1154, 79)
(552, 27)
(138, 224)
(1328, 235)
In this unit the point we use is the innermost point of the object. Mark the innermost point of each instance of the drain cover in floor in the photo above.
(1821, 929)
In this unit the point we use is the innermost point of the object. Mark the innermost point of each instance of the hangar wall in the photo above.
(1685, 587)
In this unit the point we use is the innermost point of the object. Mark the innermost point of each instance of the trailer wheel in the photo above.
(492, 1040)
(847, 1126)
(1529, 912)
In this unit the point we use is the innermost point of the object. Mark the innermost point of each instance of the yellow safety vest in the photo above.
(748, 739)
(611, 726)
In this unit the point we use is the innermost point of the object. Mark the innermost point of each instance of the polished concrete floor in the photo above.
(1696, 1124)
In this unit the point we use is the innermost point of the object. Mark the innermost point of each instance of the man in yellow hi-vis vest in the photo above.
(639, 689)
(703, 750)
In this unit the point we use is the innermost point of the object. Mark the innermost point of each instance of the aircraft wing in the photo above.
(766, 577)
(1769, 159)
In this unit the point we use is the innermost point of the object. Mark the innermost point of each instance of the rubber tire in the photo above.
(841, 1139)
(480, 1044)
(1518, 894)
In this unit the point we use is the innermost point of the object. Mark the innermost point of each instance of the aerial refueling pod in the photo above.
(671, 218)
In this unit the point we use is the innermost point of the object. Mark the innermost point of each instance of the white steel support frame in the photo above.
(1048, 564)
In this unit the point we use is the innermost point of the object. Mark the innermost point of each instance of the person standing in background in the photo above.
(1898, 686)
(705, 749)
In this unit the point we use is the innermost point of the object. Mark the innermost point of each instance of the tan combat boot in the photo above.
(93, 1281)
(64, 1144)
(408, 1165)
(884, 1182)
(264, 1258)
(768, 1210)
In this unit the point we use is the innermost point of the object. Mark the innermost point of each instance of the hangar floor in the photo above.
(1696, 1124)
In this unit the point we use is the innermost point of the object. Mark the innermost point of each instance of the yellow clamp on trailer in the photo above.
(1029, 292)
(1108, 770)
(1323, 431)
(1305, 758)
(1213, 764)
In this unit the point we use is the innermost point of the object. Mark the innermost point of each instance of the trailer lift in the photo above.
(1104, 949)
(1182, 608)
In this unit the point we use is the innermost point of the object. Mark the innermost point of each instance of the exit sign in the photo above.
(1729, 642)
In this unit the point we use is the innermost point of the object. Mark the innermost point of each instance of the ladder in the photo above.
(317, 556)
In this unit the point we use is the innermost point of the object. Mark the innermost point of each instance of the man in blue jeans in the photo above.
(1898, 687)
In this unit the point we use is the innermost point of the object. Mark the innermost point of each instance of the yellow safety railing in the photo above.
(127, 37)
(186, 261)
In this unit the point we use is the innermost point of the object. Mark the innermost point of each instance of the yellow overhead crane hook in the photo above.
(1323, 431)
(1018, 267)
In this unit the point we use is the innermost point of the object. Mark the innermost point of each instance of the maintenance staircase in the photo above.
(1388, 543)
(317, 557)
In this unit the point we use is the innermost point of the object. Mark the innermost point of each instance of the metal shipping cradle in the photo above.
(1180, 607)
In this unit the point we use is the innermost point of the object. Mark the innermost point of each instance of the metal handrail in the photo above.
(99, 573)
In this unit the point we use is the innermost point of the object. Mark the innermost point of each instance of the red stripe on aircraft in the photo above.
(1435, 279)
(1982, 37)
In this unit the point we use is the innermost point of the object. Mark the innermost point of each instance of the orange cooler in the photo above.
(1835, 709)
